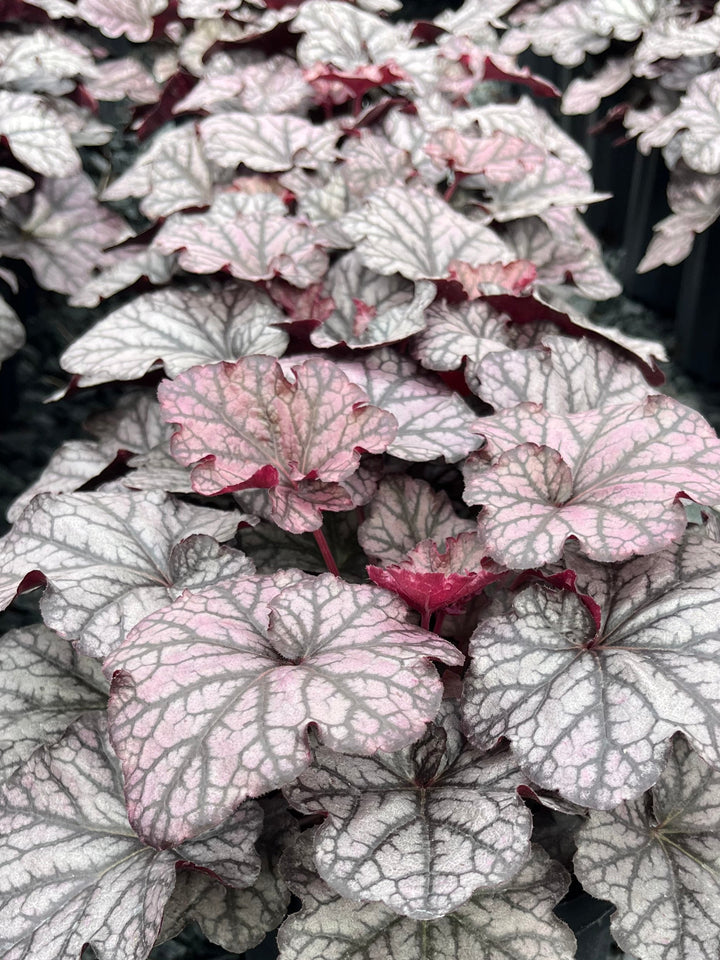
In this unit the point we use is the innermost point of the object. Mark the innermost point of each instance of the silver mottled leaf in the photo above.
(658, 860)
(420, 829)
(44, 685)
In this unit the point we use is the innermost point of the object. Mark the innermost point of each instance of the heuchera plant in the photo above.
(662, 58)
(383, 561)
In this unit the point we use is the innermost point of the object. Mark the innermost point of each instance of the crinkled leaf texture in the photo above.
(249, 425)
(111, 558)
(431, 578)
(658, 860)
(404, 512)
(590, 711)
(212, 696)
(76, 871)
(564, 375)
(44, 685)
(608, 477)
(432, 420)
(420, 829)
(180, 327)
(514, 921)
(415, 233)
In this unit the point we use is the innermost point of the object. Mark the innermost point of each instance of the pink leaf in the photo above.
(513, 278)
(248, 235)
(500, 157)
(564, 375)
(608, 477)
(431, 579)
(246, 424)
(219, 689)
(110, 558)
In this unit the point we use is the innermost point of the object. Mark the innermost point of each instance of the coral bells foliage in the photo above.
(395, 562)
(664, 77)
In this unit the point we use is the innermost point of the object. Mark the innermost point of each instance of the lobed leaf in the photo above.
(268, 143)
(565, 376)
(370, 309)
(590, 710)
(514, 921)
(419, 830)
(44, 686)
(404, 512)
(609, 478)
(430, 578)
(212, 696)
(180, 327)
(73, 872)
(247, 424)
(111, 558)
(414, 232)
(656, 859)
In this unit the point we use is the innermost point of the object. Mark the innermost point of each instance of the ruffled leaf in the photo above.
(77, 872)
(415, 233)
(180, 327)
(590, 710)
(246, 424)
(405, 512)
(111, 558)
(514, 921)
(265, 657)
(419, 830)
(608, 477)
(657, 860)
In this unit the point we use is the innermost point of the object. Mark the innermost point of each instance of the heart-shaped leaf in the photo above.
(657, 860)
(514, 921)
(430, 578)
(74, 873)
(249, 236)
(269, 143)
(415, 233)
(564, 375)
(265, 657)
(111, 558)
(608, 477)
(404, 512)
(246, 424)
(180, 327)
(371, 309)
(500, 158)
(420, 829)
(590, 711)
(44, 685)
